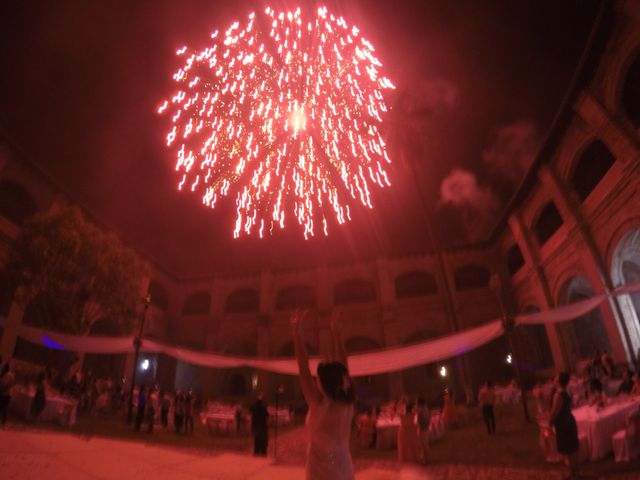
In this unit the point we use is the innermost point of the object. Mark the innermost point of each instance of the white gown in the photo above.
(329, 429)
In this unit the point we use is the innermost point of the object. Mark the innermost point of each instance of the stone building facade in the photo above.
(571, 231)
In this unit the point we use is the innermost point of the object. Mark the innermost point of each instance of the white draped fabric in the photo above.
(561, 314)
(370, 363)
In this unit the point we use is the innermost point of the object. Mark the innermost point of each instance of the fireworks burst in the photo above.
(283, 114)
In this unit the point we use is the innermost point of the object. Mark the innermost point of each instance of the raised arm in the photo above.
(338, 344)
(309, 388)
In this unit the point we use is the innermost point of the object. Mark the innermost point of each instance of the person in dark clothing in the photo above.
(165, 405)
(486, 399)
(565, 425)
(259, 416)
(39, 400)
(6, 382)
(142, 403)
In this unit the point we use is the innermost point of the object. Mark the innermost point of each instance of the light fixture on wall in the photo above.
(443, 371)
(509, 359)
(144, 365)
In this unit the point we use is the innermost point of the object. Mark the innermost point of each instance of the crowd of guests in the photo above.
(153, 405)
(597, 384)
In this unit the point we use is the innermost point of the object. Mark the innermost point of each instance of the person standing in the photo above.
(330, 402)
(409, 449)
(565, 425)
(40, 399)
(424, 420)
(152, 408)
(165, 404)
(142, 403)
(486, 399)
(188, 412)
(6, 382)
(259, 428)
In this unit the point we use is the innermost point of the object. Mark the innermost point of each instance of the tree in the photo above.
(69, 274)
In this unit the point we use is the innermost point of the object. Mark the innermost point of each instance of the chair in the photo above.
(626, 442)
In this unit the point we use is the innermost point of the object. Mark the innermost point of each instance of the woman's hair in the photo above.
(332, 378)
(596, 385)
(563, 379)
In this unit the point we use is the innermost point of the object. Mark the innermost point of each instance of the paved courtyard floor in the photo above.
(65, 456)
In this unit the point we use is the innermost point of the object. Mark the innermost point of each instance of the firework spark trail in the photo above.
(284, 114)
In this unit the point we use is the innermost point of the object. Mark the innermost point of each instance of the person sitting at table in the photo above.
(608, 367)
(565, 425)
(366, 428)
(6, 382)
(596, 395)
(330, 403)
(39, 400)
(627, 383)
(408, 441)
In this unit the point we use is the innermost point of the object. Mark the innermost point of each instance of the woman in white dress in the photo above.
(330, 401)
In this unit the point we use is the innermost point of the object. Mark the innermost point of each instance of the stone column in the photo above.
(10, 331)
(531, 256)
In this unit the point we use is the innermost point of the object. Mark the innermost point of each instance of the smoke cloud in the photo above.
(512, 150)
(478, 204)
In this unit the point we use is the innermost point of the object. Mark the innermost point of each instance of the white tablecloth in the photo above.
(225, 423)
(282, 416)
(508, 395)
(387, 433)
(599, 427)
(57, 409)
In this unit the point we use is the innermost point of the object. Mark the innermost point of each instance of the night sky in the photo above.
(478, 84)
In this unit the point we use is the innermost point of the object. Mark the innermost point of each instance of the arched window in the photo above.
(593, 164)
(355, 290)
(15, 202)
(587, 333)
(415, 284)
(548, 222)
(470, 277)
(197, 304)
(515, 261)
(243, 301)
(159, 296)
(295, 296)
(631, 92)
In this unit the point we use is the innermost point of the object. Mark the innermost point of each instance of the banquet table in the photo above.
(387, 433)
(57, 408)
(508, 395)
(225, 423)
(282, 416)
(600, 426)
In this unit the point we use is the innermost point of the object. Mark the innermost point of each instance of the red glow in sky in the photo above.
(283, 114)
